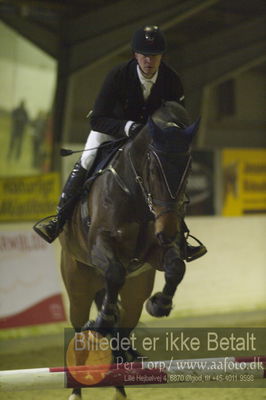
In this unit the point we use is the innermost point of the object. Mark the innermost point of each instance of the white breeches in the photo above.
(94, 140)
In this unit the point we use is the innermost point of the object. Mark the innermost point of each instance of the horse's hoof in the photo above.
(74, 396)
(104, 324)
(159, 305)
(97, 327)
(107, 319)
(120, 393)
(89, 326)
(133, 355)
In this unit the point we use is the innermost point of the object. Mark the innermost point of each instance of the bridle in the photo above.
(157, 158)
(168, 206)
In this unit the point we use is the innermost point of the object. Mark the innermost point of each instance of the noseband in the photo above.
(168, 206)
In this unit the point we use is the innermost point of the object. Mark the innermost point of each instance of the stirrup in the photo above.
(40, 228)
(195, 251)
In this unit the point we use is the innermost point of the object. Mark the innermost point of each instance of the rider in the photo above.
(131, 92)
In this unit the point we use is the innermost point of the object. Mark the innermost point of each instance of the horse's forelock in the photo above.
(166, 138)
(171, 111)
(169, 128)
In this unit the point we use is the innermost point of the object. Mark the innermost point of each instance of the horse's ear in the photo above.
(154, 130)
(191, 130)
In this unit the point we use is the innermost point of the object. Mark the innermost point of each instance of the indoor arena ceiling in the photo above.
(209, 41)
(48, 23)
(50, 12)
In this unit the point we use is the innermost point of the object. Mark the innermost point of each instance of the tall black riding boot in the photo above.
(50, 227)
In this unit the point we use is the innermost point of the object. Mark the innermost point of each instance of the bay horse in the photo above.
(129, 225)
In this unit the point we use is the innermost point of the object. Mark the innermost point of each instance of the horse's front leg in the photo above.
(160, 304)
(170, 237)
(174, 268)
(104, 255)
(114, 280)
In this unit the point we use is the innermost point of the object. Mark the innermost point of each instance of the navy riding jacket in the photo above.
(120, 98)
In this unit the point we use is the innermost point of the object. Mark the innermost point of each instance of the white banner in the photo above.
(29, 285)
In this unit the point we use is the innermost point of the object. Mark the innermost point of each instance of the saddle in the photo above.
(106, 153)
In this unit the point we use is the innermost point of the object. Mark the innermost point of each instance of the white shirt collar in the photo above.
(142, 78)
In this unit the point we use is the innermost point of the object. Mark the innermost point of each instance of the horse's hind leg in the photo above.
(81, 283)
(134, 293)
(99, 299)
(132, 301)
(76, 394)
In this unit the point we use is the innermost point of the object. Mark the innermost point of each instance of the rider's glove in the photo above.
(134, 129)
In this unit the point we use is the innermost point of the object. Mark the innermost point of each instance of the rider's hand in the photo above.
(134, 129)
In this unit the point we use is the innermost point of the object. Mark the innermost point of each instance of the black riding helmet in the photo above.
(149, 40)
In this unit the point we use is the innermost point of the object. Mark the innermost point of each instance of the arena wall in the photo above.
(230, 277)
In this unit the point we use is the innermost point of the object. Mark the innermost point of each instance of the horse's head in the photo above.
(168, 166)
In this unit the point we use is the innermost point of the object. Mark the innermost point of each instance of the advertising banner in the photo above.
(29, 287)
(28, 198)
(244, 181)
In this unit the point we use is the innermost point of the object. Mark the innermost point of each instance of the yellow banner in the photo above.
(244, 181)
(29, 198)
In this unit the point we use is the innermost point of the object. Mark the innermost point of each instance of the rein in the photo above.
(146, 194)
(157, 158)
(170, 207)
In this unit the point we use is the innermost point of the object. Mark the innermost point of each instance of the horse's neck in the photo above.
(137, 148)
(132, 160)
